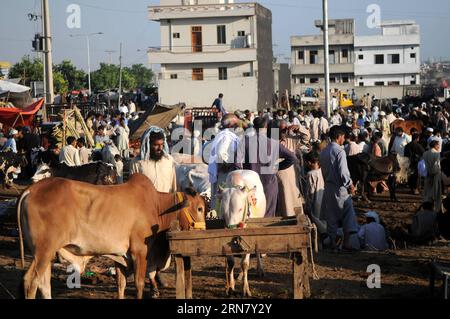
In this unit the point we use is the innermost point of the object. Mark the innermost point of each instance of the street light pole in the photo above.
(88, 54)
(326, 58)
(89, 63)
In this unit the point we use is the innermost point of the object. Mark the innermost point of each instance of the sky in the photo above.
(128, 22)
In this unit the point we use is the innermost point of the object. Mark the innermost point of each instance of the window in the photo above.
(332, 57)
(221, 35)
(174, 76)
(413, 55)
(379, 83)
(345, 79)
(197, 74)
(301, 55)
(332, 80)
(361, 83)
(247, 74)
(345, 53)
(313, 57)
(393, 58)
(314, 80)
(413, 82)
(223, 73)
(241, 33)
(361, 57)
(176, 35)
(393, 83)
(302, 80)
(379, 59)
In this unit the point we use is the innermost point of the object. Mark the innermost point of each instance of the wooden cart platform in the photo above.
(262, 236)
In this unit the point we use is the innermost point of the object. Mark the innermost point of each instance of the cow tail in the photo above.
(19, 212)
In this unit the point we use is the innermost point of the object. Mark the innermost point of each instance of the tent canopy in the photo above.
(10, 87)
(11, 117)
(160, 115)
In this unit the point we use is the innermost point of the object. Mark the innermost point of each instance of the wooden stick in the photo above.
(180, 280)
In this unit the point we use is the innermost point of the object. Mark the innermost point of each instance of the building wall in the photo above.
(239, 94)
(209, 34)
(265, 57)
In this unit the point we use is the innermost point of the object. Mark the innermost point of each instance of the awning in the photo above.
(160, 115)
(12, 117)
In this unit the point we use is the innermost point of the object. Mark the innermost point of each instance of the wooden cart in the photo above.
(263, 236)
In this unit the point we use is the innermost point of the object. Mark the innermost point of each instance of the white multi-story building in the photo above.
(389, 59)
(307, 61)
(214, 46)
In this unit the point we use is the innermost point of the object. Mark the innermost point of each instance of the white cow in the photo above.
(242, 198)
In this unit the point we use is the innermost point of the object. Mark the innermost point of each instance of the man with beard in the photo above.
(155, 162)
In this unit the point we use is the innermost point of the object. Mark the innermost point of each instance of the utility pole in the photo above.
(120, 74)
(326, 58)
(48, 65)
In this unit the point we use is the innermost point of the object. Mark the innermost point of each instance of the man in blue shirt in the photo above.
(218, 104)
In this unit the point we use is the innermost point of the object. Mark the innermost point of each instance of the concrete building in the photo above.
(281, 78)
(389, 59)
(307, 61)
(214, 46)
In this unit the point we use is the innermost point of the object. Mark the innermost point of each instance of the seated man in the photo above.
(424, 225)
(372, 235)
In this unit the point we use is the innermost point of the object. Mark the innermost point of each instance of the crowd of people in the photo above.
(313, 171)
(301, 158)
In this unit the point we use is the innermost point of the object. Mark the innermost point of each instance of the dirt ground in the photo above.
(404, 270)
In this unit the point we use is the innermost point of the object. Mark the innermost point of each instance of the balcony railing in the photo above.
(202, 8)
(238, 44)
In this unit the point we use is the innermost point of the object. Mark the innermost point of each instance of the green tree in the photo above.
(142, 75)
(28, 70)
(107, 77)
(60, 84)
(76, 79)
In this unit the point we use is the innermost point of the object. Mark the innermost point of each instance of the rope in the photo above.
(312, 227)
(7, 291)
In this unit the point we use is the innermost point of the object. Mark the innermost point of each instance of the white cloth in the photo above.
(336, 120)
(295, 122)
(223, 149)
(70, 156)
(161, 173)
(123, 109)
(399, 144)
(85, 153)
(132, 107)
(373, 236)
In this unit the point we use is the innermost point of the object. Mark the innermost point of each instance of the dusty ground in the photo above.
(405, 271)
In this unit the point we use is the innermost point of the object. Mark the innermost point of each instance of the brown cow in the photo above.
(407, 125)
(79, 221)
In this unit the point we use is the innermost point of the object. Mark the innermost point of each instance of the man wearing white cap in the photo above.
(11, 142)
(372, 235)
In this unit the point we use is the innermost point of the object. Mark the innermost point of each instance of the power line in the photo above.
(107, 9)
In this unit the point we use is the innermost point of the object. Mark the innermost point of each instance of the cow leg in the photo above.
(229, 274)
(154, 291)
(30, 282)
(245, 265)
(140, 268)
(121, 279)
(393, 188)
(36, 275)
(45, 286)
(260, 267)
